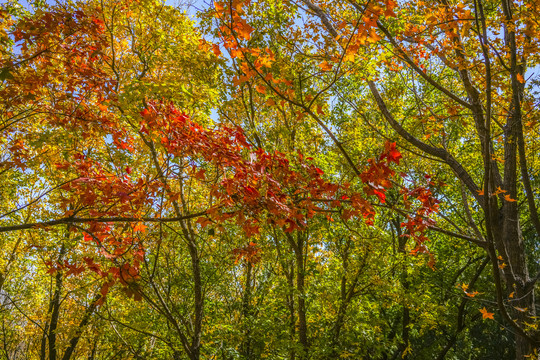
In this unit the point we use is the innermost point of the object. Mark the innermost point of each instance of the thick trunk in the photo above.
(523, 311)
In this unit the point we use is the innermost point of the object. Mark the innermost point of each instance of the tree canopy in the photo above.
(272, 179)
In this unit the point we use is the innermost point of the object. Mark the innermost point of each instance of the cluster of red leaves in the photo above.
(98, 193)
(116, 244)
(57, 74)
(257, 185)
(255, 188)
(62, 53)
(418, 221)
(184, 138)
(72, 269)
(249, 253)
(62, 49)
(377, 176)
(104, 194)
(123, 272)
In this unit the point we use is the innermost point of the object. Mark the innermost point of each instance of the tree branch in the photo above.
(440, 153)
(76, 220)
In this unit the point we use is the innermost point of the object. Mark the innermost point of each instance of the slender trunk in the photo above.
(461, 325)
(301, 297)
(292, 311)
(346, 296)
(197, 288)
(246, 313)
(288, 270)
(51, 336)
(82, 325)
(55, 307)
(406, 318)
(193, 349)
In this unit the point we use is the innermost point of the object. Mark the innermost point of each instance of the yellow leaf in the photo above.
(373, 36)
(349, 56)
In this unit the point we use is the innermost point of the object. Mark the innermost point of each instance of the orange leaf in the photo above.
(215, 49)
(508, 198)
(140, 227)
(520, 78)
(218, 6)
(486, 314)
(325, 66)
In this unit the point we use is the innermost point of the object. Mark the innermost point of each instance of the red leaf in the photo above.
(203, 221)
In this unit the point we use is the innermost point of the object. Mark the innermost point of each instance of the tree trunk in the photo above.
(247, 313)
(301, 297)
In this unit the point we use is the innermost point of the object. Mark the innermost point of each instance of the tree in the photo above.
(280, 189)
(456, 93)
(112, 185)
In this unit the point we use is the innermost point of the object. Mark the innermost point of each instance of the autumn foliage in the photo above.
(242, 187)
